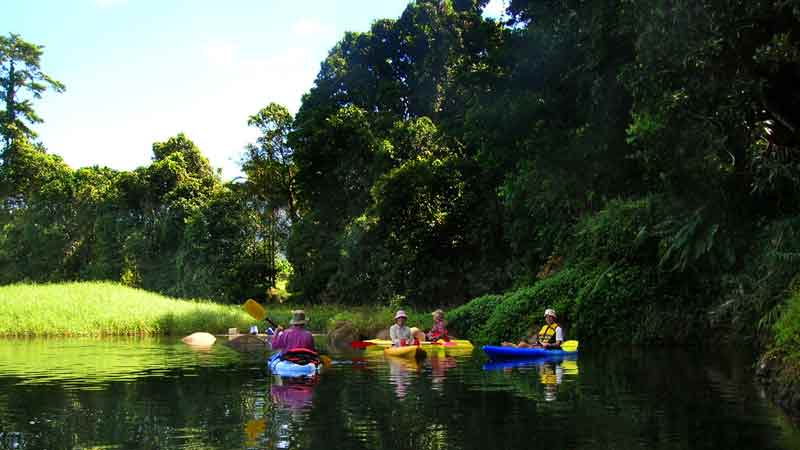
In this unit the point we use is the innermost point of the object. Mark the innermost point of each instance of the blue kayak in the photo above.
(284, 368)
(502, 364)
(500, 352)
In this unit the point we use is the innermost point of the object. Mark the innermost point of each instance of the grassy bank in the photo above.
(102, 308)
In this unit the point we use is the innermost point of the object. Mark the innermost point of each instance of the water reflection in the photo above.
(293, 393)
(401, 372)
(440, 364)
(625, 400)
(550, 371)
(92, 362)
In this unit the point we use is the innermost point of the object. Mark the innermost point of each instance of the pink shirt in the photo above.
(438, 329)
(294, 337)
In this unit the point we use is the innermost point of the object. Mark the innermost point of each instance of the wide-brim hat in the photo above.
(298, 317)
(400, 314)
(550, 312)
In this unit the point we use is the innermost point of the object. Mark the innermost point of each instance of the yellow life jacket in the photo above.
(547, 335)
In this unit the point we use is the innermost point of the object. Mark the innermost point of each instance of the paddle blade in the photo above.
(326, 360)
(255, 309)
(361, 344)
(569, 346)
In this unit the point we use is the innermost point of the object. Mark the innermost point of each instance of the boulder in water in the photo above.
(200, 339)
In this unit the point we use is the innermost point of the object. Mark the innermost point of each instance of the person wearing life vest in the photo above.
(549, 336)
(296, 336)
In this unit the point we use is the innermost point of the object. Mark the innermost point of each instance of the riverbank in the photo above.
(108, 309)
(779, 367)
(111, 309)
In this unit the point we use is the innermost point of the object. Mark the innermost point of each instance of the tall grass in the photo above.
(110, 309)
(103, 308)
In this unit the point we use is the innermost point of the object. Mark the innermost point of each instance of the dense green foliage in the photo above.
(625, 162)
(171, 227)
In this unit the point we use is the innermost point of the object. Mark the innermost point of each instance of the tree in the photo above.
(20, 73)
(270, 173)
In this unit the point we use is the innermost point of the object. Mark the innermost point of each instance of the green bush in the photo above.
(787, 328)
(624, 229)
(522, 309)
(599, 304)
(469, 319)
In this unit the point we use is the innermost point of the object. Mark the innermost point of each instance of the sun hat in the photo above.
(550, 312)
(400, 313)
(438, 312)
(298, 317)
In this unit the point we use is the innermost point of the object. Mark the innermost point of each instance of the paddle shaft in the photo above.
(271, 322)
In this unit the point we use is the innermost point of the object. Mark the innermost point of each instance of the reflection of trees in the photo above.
(165, 412)
(619, 400)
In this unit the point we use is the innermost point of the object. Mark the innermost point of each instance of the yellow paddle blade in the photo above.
(569, 346)
(256, 310)
(326, 360)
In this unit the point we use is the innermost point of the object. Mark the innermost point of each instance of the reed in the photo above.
(111, 309)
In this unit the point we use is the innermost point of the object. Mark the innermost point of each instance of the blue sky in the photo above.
(140, 71)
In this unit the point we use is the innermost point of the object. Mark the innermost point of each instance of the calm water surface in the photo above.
(162, 394)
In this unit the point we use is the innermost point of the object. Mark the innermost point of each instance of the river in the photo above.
(157, 393)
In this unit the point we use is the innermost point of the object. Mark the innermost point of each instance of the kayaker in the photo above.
(399, 333)
(439, 329)
(549, 336)
(296, 336)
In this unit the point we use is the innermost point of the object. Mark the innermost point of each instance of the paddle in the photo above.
(257, 311)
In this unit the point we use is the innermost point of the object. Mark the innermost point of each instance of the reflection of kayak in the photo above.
(295, 395)
(501, 352)
(452, 343)
(409, 364)
(410, 351)
(439, 351)
(285, 368)
(567, 361)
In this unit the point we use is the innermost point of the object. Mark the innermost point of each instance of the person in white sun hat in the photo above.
(549, 336)
(399, 333)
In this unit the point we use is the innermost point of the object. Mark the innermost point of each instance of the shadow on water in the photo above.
(159, 394)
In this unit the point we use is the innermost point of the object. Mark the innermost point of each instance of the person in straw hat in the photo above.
(296, 336)
(549, 336)
(399, 333)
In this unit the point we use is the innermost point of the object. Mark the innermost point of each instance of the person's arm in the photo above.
(279, 340)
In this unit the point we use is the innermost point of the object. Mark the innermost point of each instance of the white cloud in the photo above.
(495, 8)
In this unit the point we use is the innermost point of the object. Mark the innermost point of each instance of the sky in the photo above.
(140, 71)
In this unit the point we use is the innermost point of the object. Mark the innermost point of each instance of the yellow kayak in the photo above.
(410, 351)
(452, 343)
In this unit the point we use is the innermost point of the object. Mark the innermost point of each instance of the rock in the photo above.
(200, 339)
(343, 332)
(247, 342)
